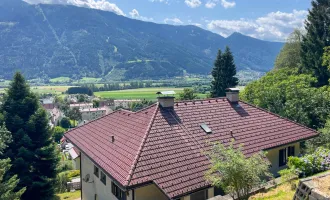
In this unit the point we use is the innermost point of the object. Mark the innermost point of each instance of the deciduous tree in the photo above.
(187, 94)
(234, 172)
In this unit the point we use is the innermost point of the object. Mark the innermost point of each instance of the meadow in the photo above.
(141, 93)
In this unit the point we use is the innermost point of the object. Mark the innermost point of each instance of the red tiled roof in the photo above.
(164, 145)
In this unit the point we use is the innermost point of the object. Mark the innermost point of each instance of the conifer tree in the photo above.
(32, 152)
(7, 187)
(223, 73)
(317, 37)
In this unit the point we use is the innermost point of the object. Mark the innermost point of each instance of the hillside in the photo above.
(57, 40)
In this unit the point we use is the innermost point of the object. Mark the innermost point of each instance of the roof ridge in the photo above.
(143, 109)
(194, 100)
(131, 172)
(277, 115)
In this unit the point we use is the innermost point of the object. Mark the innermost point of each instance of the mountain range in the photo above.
(58, 40)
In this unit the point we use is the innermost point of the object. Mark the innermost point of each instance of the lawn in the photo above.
(142, 93)
(281, 192)
(68, 195)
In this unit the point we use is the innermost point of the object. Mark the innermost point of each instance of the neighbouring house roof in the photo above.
(163, 145)
(81, 104)
(93, 109)
(74, 153)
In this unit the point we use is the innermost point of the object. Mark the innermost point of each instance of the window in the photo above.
(284, 154)
(96, 171)
(103, 178)
(201, 195)
(117, 191)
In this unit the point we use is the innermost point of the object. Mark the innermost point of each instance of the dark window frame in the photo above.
(284, 154)
(96, 171)
(103, 178)
(116, 191)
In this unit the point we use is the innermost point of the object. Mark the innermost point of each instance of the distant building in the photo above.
(74, 154)
(124, 103)
(82, 105)
(55, 116)
(48, 103)
(89, 114)
(109, 102)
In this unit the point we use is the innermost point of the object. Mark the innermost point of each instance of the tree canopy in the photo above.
(234, 172)
(223, 73)
(289, 55)
(32, 152)
(317, 37)
(291, 95)
(187, 94)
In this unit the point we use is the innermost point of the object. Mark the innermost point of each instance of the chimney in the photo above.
(167, 100)
(232, 95)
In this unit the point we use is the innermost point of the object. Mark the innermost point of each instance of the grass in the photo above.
(61, 79)
(68, 195)
(49, 89)
(281, 192)
(141, 93)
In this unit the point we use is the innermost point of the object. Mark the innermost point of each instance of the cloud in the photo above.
(193, 3)
(160, 1)
(274, 26)
(210, 4)
(135, 15)
(227, 4)
(95, 4)
(174, 21)
(224, 3)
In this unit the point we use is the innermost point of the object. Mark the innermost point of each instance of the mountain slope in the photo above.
(57, 40)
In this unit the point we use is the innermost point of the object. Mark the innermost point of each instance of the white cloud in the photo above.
(174, 21)
(160, 1)
(95, 4)
(135, 15)
(227, 4)
(193, 3)
(210, 4)
(274, 26)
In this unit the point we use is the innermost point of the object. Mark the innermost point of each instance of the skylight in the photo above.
(206, 128)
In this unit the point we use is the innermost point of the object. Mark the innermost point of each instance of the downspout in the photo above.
(81, 185)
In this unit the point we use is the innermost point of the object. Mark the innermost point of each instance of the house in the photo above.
(156, 153)
(55, 116)
(74, 154)
(48, 103)
(89, 114)
(124, 103)
(81, 105)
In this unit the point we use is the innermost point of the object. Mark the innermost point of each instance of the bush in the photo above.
(73, 173)
(310, 164)
(65, 166)
(61, 182)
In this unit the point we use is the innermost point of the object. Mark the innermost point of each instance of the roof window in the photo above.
(206, 128)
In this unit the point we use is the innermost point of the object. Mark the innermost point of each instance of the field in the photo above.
(60, 80)
(142, 93)
(49, 89)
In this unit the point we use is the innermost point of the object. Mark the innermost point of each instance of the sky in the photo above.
(271, 20)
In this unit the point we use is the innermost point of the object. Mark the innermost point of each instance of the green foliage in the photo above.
(32, 151)
(58, 133)
(289, 55)
(310, 164)
(316, 38)
(96, 103)
(326, 57)
(323, 140)
(288, 175)
(234, 172)
(74, 114)
(187, 94)
(65, 166)
(80, 90)
(7, 187)
(73, 173)
(65, 123)
(291, 95)
(61, 182)
(135, 106)
(223, 73)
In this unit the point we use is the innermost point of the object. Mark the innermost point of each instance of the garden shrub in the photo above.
(73, 173)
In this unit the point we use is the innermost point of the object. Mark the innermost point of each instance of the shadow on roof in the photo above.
(238, 108)
(170, 116)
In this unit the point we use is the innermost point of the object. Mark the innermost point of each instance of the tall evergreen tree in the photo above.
(32, 152)
(7, 187)
(223, 73)
(317, 37)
